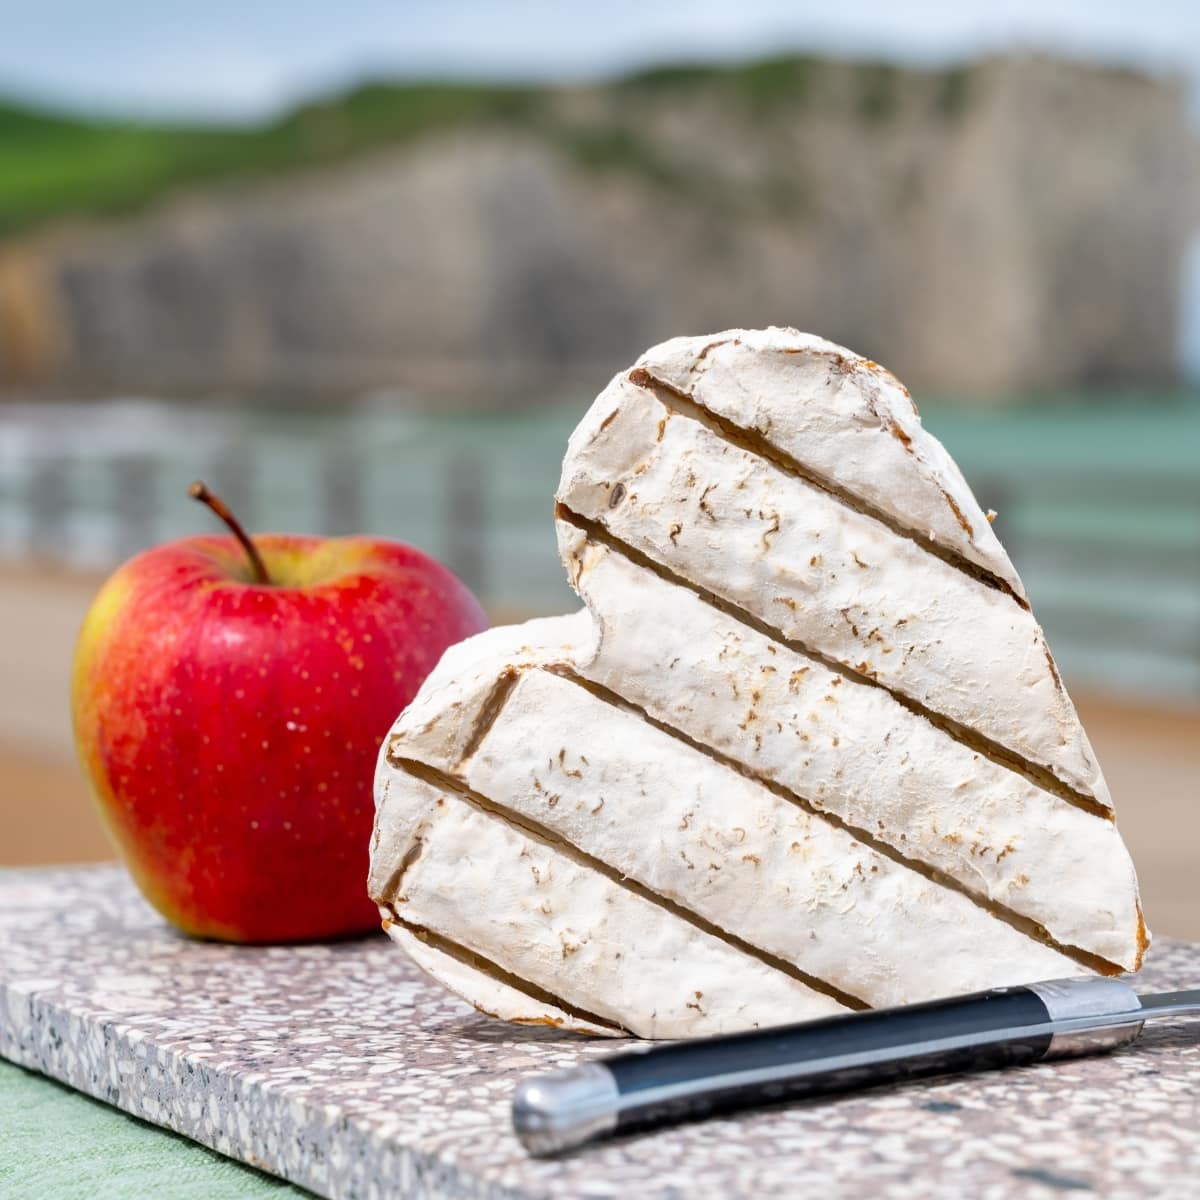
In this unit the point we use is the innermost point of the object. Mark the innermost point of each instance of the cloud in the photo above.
(229, 59)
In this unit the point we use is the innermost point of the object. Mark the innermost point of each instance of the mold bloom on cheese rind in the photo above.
(804, 751)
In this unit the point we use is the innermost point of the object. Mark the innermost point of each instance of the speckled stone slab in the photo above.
(343, 1069)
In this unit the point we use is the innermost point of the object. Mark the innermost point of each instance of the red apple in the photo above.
(229, 698)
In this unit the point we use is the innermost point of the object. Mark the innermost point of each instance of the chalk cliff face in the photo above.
(1015, 224)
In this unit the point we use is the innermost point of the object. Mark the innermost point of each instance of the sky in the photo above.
(238, 60)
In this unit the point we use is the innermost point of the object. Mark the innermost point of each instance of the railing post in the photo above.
(134, 479)
(49, 500)
(341, 491)
(464, 535)
(231, 474)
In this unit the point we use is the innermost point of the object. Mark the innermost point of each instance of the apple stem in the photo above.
(199, 491)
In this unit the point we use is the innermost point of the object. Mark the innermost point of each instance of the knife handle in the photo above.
(695, 1079)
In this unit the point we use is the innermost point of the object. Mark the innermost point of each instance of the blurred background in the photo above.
(363, 267)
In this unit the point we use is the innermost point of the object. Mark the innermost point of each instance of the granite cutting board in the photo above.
(343, 1069)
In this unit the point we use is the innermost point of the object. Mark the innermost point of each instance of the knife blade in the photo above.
(659, 1085)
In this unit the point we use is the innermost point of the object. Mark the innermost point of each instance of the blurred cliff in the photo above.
(1018, 224)
(386, 311)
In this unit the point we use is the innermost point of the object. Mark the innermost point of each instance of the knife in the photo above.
(689, 1080)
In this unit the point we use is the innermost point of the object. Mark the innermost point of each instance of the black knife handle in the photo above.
(772, 1065)
(694, 1079)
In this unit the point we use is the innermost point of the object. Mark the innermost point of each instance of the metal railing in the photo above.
(1111, 561)
(480, 500)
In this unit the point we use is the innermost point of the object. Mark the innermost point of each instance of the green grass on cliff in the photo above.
(54, 166)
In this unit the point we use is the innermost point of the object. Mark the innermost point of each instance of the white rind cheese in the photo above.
(804, 750)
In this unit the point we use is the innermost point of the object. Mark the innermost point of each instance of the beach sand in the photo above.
(1151, 756)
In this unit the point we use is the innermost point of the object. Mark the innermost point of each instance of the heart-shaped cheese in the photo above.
(805, 750)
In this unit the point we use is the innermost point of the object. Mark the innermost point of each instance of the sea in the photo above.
(1098, 499)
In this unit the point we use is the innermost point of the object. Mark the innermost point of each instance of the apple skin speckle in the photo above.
(195, 695)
